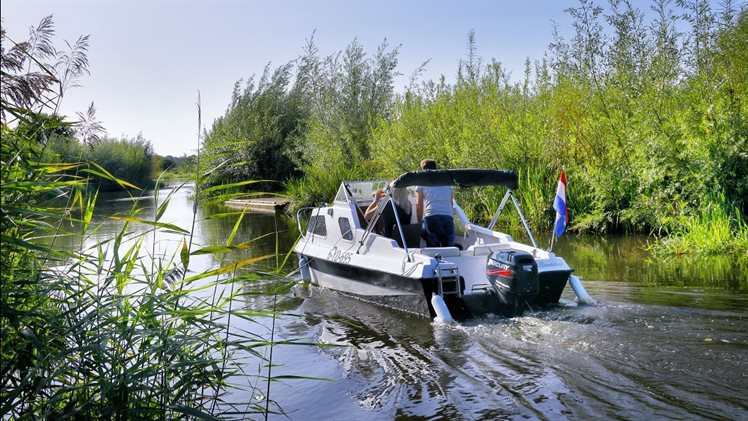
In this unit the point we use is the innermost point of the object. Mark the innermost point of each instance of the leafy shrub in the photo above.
(645, 112)
(254, 139)
(127, 159)
(320, 186)
(716, 228)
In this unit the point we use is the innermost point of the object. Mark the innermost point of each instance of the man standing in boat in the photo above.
(436, 203)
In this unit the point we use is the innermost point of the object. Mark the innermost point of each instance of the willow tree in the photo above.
(355, 92)
(252, 140)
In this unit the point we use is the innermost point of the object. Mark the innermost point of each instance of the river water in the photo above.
(667, 339)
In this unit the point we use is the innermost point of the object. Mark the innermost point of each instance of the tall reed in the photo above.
(115, 327)
(716, 228)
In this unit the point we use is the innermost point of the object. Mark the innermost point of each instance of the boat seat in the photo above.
(442, 251)
(412, 234)
(484, 249)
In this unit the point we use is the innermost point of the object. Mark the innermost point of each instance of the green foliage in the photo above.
(319, 186)
(351, 98)
(63, 149)
(647, 121)
(111, 329)
(127, 159)
(325, 118)
(44, 128)
(253, 140)
(718, 228)
(730, 148)
(175, 167)
(107, 330)
(645, 109)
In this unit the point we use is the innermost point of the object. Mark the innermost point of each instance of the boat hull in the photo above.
(387, 289)
(552, 284)
(411, 294)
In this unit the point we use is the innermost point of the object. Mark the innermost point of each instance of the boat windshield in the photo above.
(362, 191)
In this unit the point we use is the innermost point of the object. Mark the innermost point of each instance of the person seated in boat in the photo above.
(434, 210)
(387, 220)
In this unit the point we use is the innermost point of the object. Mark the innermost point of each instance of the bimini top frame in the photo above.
(460, 178)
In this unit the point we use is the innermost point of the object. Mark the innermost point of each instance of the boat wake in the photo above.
(566, 362)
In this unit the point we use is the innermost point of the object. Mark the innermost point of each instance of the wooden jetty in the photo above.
(259, 204)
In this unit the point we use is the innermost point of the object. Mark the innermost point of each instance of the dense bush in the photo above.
(253, 140)
(129, 160)
(646, 129)
(175, 167)
(126, 159)
(321, 122)
(64, 149)
(645, 111)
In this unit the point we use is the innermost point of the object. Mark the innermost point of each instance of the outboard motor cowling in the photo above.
(513, 274)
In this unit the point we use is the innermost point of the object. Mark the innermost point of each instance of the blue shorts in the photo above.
(439, 231)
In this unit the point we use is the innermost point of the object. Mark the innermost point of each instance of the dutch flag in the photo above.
(559, 204)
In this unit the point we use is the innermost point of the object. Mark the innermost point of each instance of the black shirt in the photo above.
(388, 218)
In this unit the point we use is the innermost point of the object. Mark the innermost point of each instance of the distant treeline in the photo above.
(646, 112)
(128, 159)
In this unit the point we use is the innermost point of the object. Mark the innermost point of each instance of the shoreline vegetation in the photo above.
(644, 109)
(115, 328)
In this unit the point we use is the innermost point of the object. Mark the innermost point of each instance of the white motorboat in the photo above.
(485, 272)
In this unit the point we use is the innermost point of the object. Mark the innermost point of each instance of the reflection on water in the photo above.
(668, 339)
(267, 234)
(264, 233)
(626, 259)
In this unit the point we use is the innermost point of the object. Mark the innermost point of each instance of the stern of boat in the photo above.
(552, 285)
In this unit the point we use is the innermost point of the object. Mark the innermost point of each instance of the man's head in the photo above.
(428, 164)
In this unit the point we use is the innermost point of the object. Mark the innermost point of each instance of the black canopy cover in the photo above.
(460, 177)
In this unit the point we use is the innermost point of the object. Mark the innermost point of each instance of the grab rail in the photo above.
(298, 218)
(524, 222)
(500, 209)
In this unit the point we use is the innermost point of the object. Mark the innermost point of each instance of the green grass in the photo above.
(717, 228)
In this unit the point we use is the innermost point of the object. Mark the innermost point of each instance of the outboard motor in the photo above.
(513, 274)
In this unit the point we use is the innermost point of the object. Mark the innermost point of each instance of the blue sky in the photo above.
(148, 59)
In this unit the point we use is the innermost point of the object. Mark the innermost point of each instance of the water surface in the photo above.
(667, 338)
